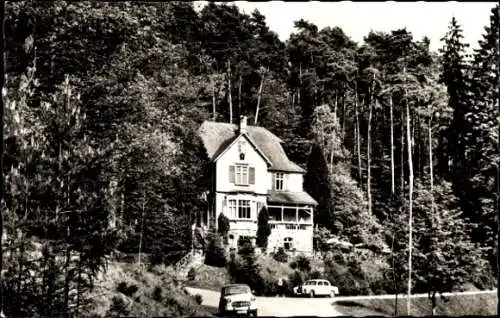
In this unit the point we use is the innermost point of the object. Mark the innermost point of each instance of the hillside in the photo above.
(102, 106)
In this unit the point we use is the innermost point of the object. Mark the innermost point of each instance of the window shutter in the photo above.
(251, 175)
(285, 182)
(231, 174)
(273, 186)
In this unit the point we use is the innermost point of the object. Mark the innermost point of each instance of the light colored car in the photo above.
(316, 287)
(237, 299)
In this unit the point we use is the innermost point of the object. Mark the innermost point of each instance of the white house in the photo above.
(250, 170)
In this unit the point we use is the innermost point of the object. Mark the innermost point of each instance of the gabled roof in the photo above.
(217, 137)
(232, 141)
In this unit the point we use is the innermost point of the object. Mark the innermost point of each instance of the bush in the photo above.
(293, 265)
(126, 289)
(281, 255)
(158, 294)
(315, 275)
(303, 263)
(191, 274)
(244, 269)
(215, 254)
(198, 298)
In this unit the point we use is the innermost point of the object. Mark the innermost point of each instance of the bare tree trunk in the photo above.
(410, 216)
(394, 282)
(368, 147)
(393, 186)
(142, 228)
(300, 83)
(431, 161)
(259, 96)
(402, 154)
(2, 84)
(343, 116)
(67, 278)
(335, 107)
(229, 98)
(358, 142)
(78, 286)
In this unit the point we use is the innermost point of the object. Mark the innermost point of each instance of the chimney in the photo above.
(243, 124)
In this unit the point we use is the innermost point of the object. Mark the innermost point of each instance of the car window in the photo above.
(320, 283)
(233, 290)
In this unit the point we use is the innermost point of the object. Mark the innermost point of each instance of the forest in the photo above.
(103, 101)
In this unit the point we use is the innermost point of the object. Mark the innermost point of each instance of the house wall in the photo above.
(252, 158)
(295, 182)
(302, 239)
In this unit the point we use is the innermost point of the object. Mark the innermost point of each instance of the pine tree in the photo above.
(454, 142)
(263, 228)
(484, 160)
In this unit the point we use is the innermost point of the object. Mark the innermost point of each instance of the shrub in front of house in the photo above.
(281, 255)
(244, 269)
(303, 263)
(215, 254)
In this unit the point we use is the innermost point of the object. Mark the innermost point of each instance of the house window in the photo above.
(279, 181)
(241, 175)
(287, 243)
(232, 208)
(243, 209)
(272, 226)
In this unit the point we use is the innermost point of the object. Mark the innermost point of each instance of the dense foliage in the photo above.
(104, 99)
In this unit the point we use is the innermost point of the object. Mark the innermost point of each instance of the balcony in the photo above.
(285, 214)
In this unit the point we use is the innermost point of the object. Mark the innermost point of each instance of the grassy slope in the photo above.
(151, 294)
(210, 277)
(481, 304)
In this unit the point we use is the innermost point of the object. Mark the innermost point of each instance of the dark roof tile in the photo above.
(217, 136)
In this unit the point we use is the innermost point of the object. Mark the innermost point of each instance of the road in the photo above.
(279, 307)
(291, 306)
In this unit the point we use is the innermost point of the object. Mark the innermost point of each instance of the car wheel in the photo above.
(311, 294)
(253, 313)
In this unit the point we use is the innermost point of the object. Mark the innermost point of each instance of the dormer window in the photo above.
(279, 181)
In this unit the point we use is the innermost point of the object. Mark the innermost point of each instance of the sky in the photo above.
(356, 19)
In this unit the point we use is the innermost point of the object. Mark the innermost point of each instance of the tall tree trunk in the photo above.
(393, 186)
(2, 84)
(358, 141)
(410, 207)
(335, 107)
(431, 161)
(67, 278)
(300, 83)
(402, 172)
(259, 96)
(78, 286)
(229, 98)
(343, 116)
(142, 229)
(368, 146)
